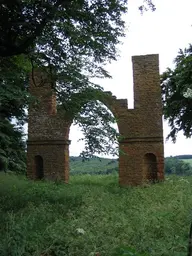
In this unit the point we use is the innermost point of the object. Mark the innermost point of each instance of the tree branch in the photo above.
(24, 46)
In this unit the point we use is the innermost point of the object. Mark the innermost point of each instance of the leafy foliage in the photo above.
(148, 4)
(13, 101)
(84, 25)
(12, 148)
(95, 120)
(73, 40)
(176, 84)
(13, 87)
(100, 136)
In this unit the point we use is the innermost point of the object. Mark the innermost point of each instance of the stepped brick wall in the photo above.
(141, 155)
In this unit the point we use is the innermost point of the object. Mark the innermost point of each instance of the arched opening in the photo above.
(102, 166)
(39, 167)
(150, 167)
(2, 165)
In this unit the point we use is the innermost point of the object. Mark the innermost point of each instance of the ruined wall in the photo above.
(142, 126)
(48, 132)
(141, 155)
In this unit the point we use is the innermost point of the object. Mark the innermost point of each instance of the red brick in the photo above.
(140, 128)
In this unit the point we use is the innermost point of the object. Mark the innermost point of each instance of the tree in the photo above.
(73, 40)
(176, 86)
(24, 21)
(13, 101)
(12, 148)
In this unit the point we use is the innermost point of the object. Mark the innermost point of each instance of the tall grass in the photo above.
(92, 214)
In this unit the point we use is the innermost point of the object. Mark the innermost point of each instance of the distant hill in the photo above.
(94, 165)
(188, 161)
(183, 157)
(97, 165)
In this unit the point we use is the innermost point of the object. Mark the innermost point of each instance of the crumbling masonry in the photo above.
(142, 159)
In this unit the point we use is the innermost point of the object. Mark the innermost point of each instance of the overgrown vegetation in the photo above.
(93, 215)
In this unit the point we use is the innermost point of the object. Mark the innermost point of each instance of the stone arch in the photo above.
(150, 167)
(116, 106)
(111, 108)
(140, 128)
(39, 168)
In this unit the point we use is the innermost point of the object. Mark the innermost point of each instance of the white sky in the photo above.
(164, 32)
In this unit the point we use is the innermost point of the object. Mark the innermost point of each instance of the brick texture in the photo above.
(141, 153)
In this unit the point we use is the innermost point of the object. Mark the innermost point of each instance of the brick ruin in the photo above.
(141, 129)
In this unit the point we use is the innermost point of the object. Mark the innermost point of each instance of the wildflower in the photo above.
(80, 231)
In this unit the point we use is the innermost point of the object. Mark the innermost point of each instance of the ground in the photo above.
(93, 214)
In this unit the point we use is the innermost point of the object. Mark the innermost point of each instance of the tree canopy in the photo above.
(73, 40)
(177, 98)
(25, 21)
(13, 102)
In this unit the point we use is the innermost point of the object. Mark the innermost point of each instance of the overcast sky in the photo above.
(164, 32)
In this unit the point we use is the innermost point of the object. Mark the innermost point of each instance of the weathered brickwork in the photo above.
(141, 156)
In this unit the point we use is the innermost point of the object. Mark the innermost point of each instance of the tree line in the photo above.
(174, 165)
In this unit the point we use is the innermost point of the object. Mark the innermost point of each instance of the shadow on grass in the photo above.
(17, 193)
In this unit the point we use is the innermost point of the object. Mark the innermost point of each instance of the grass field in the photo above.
(92, 214)
(188, 161)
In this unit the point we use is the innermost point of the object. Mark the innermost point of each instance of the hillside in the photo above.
(188, 161)
(185, 158)
(94, 165)
(103, 166)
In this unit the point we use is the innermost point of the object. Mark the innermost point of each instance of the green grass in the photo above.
(92, 214)
(187, 161)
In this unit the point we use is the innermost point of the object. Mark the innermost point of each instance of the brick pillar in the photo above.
(42, 90)
(141, 127)
(47, 132)
(66, 161)
(148, 109)
(130, 164)
(55, 155)
(147, 90)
